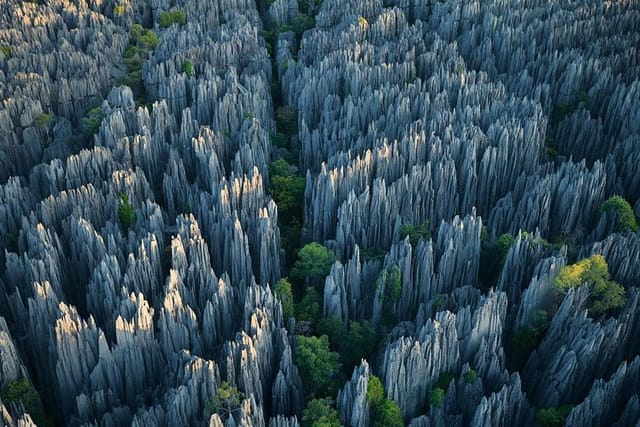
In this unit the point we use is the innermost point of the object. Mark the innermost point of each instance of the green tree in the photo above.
(383, 412)
(470, 376)
(282, 290)
(605, 295)
(625, 219)
(169, 18)
(355, 342)
(286, 187)
(92, 121)
(226, 400)
(313, 264)
(42, 120)
(388, 414)
(492, 258)
(528, 337)
(444, 380)
(375, 391)
(5, 50)
(187, 68)
(436, 397)
(320, 413)
(319, 366)
(391, 279)
(309, 309)
(553, 417)
(416, 232)
(287, 121)
(22, 392)
(126, 212)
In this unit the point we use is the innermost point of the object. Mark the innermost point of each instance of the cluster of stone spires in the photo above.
(408, 110)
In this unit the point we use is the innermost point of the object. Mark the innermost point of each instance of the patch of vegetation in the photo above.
(605, 296)
(362, 21)
(313, 264)
(553, 417)
(387, 414)
(283, 291)
(392, 280)
(309, 309)
(470, 376)
(187, 68)
(6, 51)
(625, 219)
(444, 380)
(354, 342)
(371, 254)
(287, 121)
(126, 212)
(171, 17)
(42, 120)
(278, 139)
(92, 121)
(118, 10)
(375, 391)
(439, 302)
(528, 337)
(416, 232)
(492, 259)
(320, 368)
(286, 187)
(226, 401)
(141, 42)
(22, 392)
(383, 412)
(320, 413)
(564, 109)
(436, 397)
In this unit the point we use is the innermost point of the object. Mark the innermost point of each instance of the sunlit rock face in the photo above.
(455, 156)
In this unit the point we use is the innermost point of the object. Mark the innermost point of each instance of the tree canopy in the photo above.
(604, 295)
(625, 219)
(320, 413)
(313, 264)
(282, 289)
(319, 366)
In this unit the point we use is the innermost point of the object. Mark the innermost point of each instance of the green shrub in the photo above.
(492, 259)
(22, 392)
(313, 264)
(436, 397)
(625, 219)
(169, 18)
(320, 413)
(6, 51)
(375, 391)
(444, 380)
(283, 291)
(187, 68)
(319, 366)
(392, 279)
(553, 417)
(278, 139)
(287, 121)
(388, 414)
(416, 232)
(42, 120)
(92, 121)
(309, 309)
(126, 212)
(226, 400)
(605, 295)
(528, 337)
(470, 376)
(118, 10)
